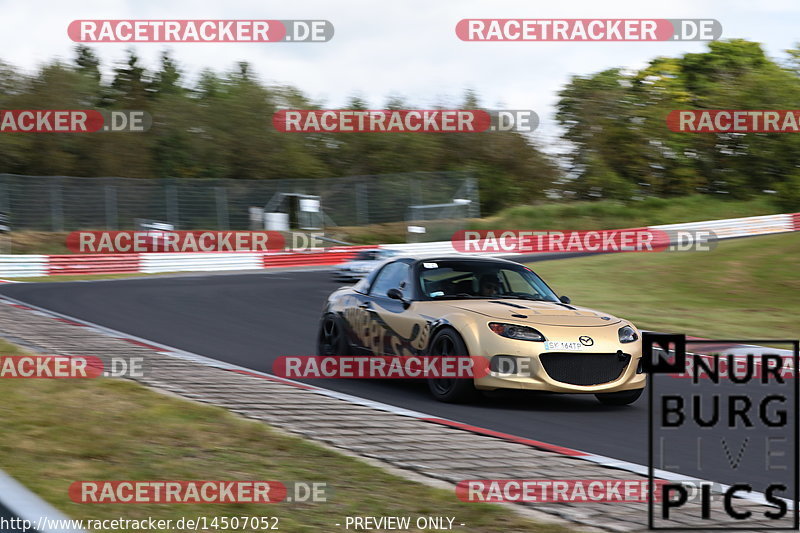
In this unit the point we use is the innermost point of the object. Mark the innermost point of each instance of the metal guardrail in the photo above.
(201, 262)
(92, 264)
(206, 262)
(723, 229)
(333, 256)
(738, 227)
(18, 266)
(14, 266)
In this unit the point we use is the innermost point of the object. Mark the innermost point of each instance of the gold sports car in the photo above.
(493, 308)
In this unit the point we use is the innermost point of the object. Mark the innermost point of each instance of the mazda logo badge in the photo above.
(586, 341)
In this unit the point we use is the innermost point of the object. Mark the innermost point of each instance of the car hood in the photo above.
(543, 313)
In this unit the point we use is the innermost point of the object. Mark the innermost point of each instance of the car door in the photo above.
(400, 328)
(364, 327)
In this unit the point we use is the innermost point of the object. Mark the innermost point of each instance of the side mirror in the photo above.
(397, 294)
(564, 299)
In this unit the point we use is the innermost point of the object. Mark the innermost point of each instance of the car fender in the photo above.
(465, 325)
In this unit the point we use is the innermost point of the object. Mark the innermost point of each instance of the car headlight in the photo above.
(627, 334)
(512, 331)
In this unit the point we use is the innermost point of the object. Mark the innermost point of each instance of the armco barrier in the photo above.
(21, 266)
(738, 227)
(18, 266)
(723, 229)
(157, 262)
(333, 256)
(93, 264)
(204, 262)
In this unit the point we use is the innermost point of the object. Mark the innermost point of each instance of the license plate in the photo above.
(563, 346)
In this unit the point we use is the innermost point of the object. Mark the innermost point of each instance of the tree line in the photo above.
(614, 121)
(615, 140)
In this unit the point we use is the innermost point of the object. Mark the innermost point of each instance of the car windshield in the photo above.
(482, 279)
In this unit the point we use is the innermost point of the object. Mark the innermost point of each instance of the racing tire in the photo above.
(331, 338)
(625, 397)
(449, 343)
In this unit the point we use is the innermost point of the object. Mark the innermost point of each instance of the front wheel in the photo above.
(625, 397)
(448, 343)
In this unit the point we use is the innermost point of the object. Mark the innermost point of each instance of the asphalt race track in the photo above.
(250, 319)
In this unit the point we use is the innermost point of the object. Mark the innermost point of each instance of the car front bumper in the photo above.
(533, 376)
(606, 366)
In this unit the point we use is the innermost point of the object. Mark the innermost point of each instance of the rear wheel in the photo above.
(448, 343)
(625, 397)
(331, 337)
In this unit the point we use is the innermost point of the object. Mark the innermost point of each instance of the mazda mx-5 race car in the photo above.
(492, 308)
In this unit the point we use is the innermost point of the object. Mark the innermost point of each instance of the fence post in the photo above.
(5, 199)
(416, 192)
(473, 193)
(56, 207)
(112, 220)
(171, 192)
(362, 204)
(221, 194)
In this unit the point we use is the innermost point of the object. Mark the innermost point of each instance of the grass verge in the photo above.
(6, 348)
(55, 432)
(603, 214)
(744, 288)
(610, 214)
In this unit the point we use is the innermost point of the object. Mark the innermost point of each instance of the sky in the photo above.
(406, 48)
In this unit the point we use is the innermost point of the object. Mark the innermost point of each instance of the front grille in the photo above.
(584, 368)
